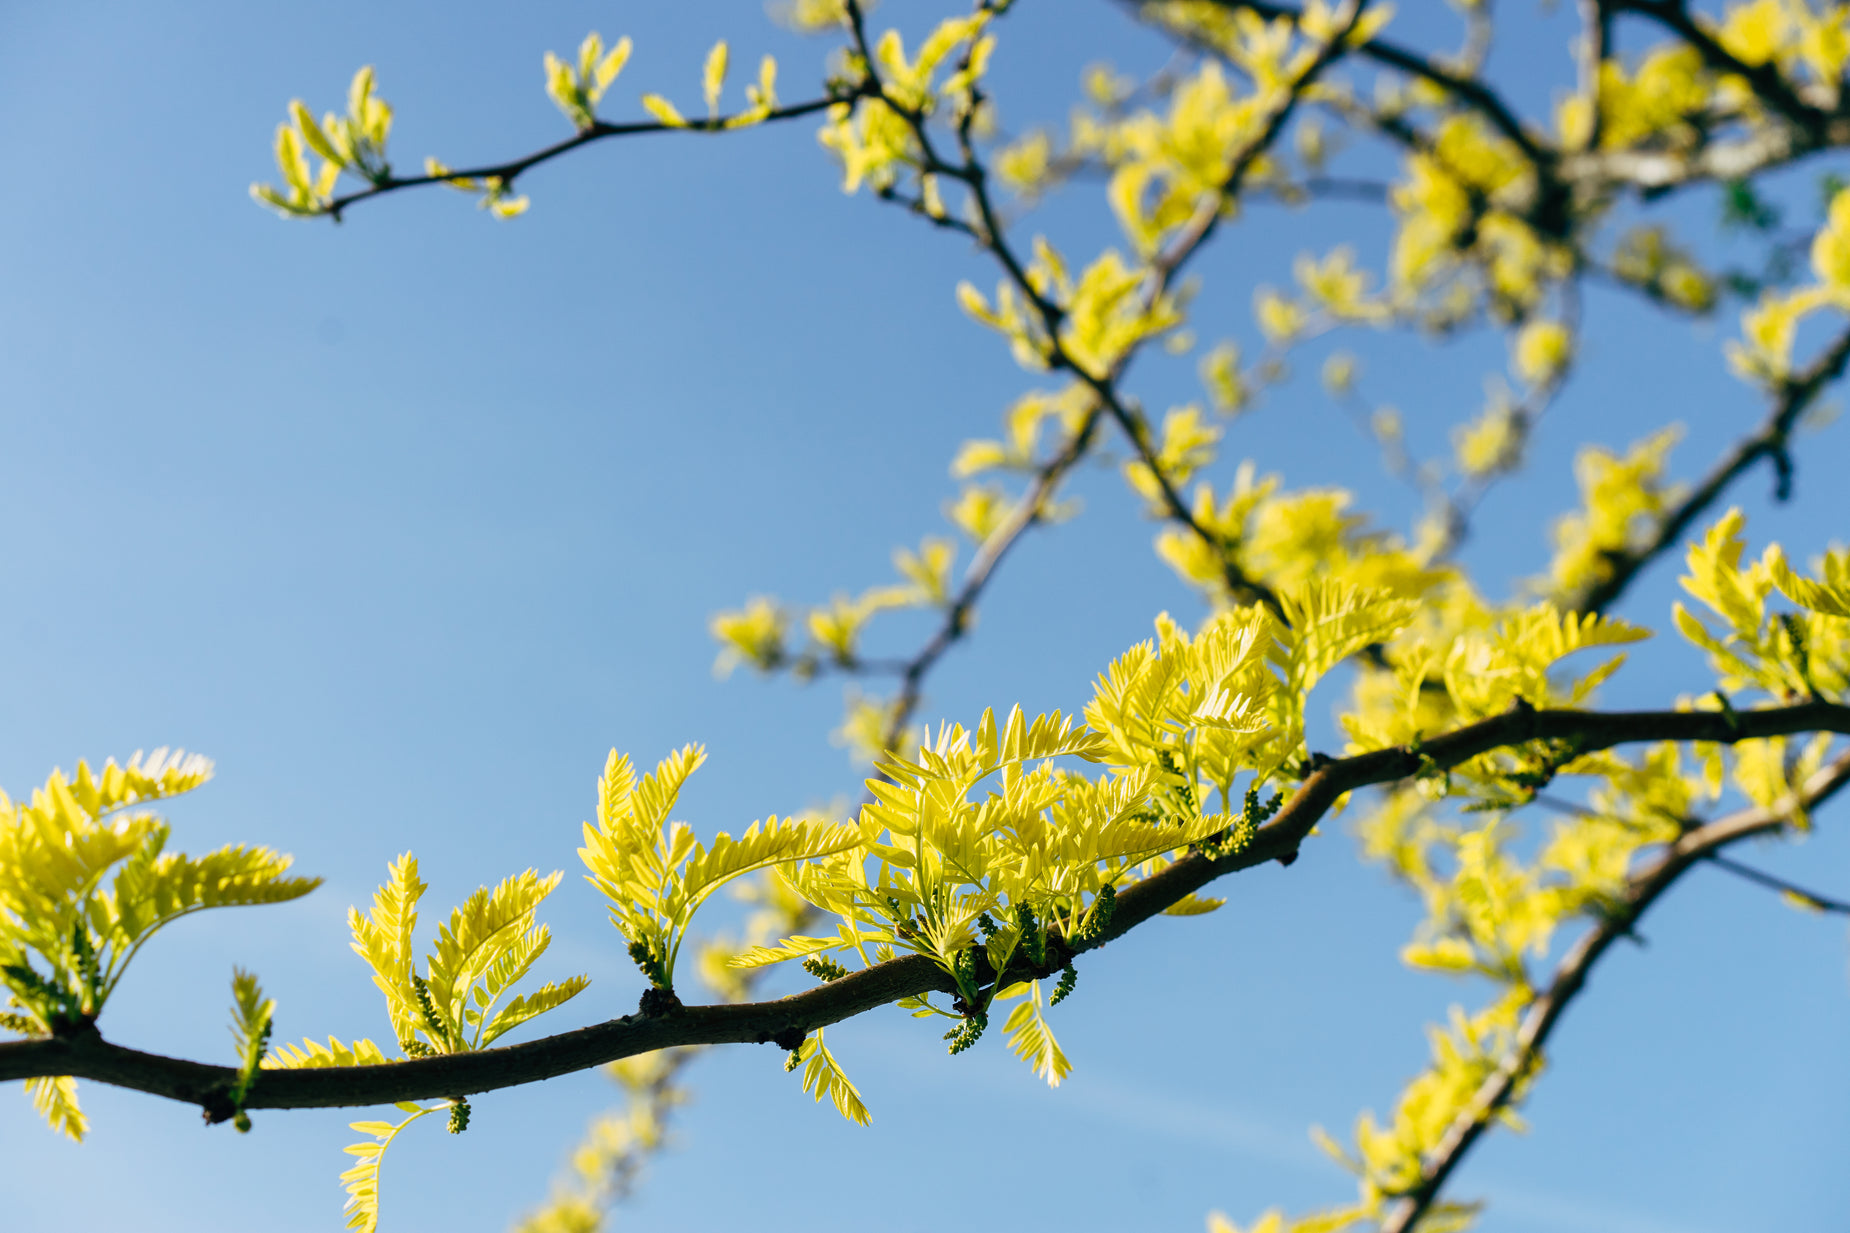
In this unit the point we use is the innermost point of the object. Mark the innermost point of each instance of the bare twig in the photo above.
(1797, 894)
(1595, 46)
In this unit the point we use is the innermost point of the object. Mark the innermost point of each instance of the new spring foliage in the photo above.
(86, 880)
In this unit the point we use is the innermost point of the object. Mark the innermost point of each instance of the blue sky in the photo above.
(407, 522)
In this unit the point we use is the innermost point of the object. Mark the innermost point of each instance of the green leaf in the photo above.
(790, 948)
(1330, 621)
(311, 1054)
(251, 1022)
(528, 1005)
(654, 874)
(823, 1076)
(361, 1181)
(766, 843)
(152, 891)
(57, 852)
(1048, 736)
(1194, 905)
(512, 965)
(384, 940)
(663, 110)
(1830, 597)
(1030, 1039)
(1715, 576)
(55, 1098)
(489, 926)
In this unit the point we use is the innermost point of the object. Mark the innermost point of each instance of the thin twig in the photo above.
(1771, 443)
(1809, 899)
(1028, 512)
(1768, 84)
(1164, 270)
(1791, 890)
(1468, 90)
(1595, 47)
(506, 173)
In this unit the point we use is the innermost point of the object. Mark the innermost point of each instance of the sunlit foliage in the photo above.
(994, 856)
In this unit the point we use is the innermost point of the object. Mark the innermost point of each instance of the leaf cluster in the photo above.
(86, 881)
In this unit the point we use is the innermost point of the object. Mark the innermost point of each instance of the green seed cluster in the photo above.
(1098, 920)
(824, 968)
(651, 964)
(1033, 937)
(1069, 976)
(1236, 838)
(967, 1033)
(428, 1010)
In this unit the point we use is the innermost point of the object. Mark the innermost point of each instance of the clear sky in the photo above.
(407, 522)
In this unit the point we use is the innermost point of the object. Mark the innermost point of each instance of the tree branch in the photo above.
(1595, 47)
(1027, 512)
(1193, 237)
(1570, 979)
(974, 176)
(1771, 442)
(86, 1055)
(1472, 92)
(1764, 79)
(507, 172)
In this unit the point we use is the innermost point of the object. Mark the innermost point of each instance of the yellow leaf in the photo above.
(312, 134)
(663, 110)
(608, 68)
(1542, 352)
(713, 78)
(823, 1075)
(55, 1098)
